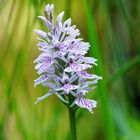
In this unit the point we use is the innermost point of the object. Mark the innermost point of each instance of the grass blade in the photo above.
(102, 89)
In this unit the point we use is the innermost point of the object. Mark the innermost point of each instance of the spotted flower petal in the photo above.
(41, 79)
(42, 67)
(68, 87)
(84, 74)
(66, 24)
(74, 67)
(80, 49)
(86, 103)
(88, 60)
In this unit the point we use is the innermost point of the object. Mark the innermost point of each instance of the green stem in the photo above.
(72, 124)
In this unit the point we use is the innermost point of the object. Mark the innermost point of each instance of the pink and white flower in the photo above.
(62, 64)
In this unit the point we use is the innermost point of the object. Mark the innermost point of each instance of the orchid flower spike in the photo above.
(62, 64)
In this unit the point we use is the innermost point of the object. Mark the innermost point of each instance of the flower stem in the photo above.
(72, 124)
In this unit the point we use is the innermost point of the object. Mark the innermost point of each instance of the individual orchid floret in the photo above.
(85, 103)
(62, 64)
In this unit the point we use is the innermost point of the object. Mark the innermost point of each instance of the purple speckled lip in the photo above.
(62, 64)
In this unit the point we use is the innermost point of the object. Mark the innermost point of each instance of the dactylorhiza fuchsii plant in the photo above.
(62, 64)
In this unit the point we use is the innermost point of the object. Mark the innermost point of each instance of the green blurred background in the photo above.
(113, 29)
